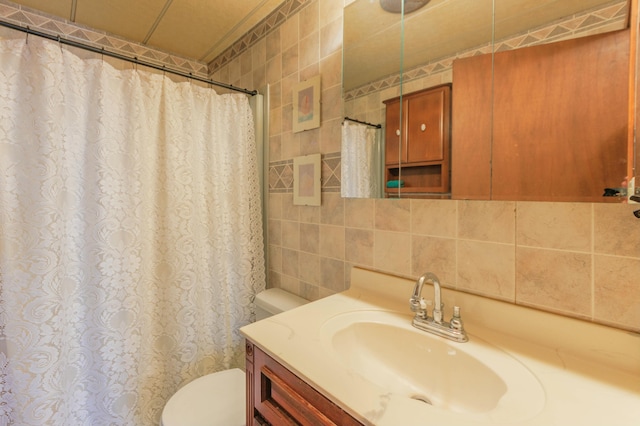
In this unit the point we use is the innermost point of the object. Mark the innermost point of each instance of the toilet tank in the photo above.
(275, 300)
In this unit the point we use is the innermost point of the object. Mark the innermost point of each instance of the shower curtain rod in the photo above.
(377, 126)
(135, 60)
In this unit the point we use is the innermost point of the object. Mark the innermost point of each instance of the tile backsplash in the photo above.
(552, 256)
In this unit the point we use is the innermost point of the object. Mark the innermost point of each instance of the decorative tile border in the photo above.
(331, 175)
(26, 17)
(264, 27)
(281, 174)
(577, 24)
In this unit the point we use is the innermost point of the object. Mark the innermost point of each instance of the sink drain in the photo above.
(422, 398)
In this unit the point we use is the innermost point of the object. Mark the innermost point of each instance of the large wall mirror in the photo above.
(511, 67)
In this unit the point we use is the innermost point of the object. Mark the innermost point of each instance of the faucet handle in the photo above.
(456, 322)
(419, 307)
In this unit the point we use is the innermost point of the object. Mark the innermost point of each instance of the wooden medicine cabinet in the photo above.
(418, 151)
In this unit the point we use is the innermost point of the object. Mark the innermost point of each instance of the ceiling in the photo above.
(194, 29)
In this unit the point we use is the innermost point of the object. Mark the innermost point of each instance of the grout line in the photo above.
(593, 263)
(589, 252)
(515, 253)
(456, 285)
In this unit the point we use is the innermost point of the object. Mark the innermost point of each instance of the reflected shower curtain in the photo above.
(130, 237)
(361, 167)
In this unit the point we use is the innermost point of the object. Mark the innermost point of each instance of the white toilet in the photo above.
(218, 399)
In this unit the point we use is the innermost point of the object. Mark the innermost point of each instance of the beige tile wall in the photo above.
(580, 260)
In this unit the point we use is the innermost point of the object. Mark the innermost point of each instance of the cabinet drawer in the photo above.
(282, 398)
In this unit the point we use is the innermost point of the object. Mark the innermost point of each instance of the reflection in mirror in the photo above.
(560, 107)
(444, 30)
(633, 168)
(434, 36)
(371, 44)
(371, 61)
(361, 159)
(450, 29)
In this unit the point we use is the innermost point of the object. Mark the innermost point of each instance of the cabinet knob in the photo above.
(398, 132)
(423, 127)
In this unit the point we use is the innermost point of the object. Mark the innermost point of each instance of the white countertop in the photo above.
(589, 373)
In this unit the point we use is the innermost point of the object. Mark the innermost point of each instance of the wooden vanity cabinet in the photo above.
(417, 148)
(276, 396)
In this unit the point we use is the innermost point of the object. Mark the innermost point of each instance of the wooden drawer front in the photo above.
(281, 398)
(278, 393)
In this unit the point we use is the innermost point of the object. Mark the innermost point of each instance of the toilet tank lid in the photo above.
(275, 300)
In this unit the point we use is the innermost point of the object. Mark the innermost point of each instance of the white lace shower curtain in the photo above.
(360, 164)
(130, 237)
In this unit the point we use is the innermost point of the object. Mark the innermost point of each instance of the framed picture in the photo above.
(306, 180)
(306, 105)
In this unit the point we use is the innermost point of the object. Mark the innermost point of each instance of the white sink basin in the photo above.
(473, 379)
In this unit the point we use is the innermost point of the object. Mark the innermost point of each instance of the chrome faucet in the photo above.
(418, 304)
(453, 330)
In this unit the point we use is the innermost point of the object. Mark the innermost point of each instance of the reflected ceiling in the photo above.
(373, 35)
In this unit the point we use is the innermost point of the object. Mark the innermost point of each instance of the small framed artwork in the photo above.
(306, 105)
(306, 180)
